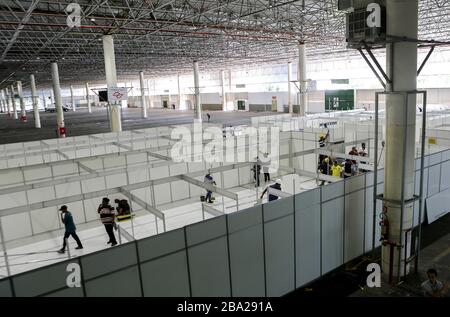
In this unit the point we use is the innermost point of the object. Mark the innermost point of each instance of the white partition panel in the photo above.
(90, 208)
(279, 246)
(40, 194)
(13, 200)
(245, 176)
(307, 236)
(94, 184)
(369, 219)
(37, 173)
(230, 178)
(162, 194)
(68, 189)
(333, 190)
(116, 180)
(16, 226)
(354, 225)
(46, 219)
(114, 161)
(180, 190)
(445, 175)
(332, 234)
(434, 173)
(208, 258)
(438, 205)
(66, 169)
(246, 252)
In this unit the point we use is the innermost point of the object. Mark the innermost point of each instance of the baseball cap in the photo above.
(63, 207)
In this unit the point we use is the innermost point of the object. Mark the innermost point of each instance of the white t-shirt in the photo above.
(429, 288)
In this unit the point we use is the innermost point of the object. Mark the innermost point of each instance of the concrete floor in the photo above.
(82, 123)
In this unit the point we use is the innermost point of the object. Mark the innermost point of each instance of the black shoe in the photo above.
(108, 242)
(79, 248)
(210, 202)
(61, 251)
(115, 243)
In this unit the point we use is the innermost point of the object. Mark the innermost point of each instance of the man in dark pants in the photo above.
(67, 220)
(107, 217)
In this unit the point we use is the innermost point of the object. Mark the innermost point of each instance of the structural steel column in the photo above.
(111, 81)
(401, 61)
(58, 101)
(179, 92)
(198, 108)
(224, 97)
(72, 98)
(143, 100)
(35, 101)
(87, 98)
(303, 94)
(8, 102)
(13, 101)
(289, 70)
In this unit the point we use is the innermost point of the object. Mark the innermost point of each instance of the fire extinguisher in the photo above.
(384, 223)
(62, 132)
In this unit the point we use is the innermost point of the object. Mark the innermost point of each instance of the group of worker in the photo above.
(329, 165)
(107, 217)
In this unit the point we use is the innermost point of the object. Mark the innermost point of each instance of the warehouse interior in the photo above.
(139, 100)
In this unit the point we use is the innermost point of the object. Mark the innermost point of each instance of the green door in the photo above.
(336, 100)
(241, 104)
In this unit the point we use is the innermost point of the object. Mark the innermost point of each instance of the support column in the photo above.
(401, 61)
(23, 112)
(2, 101)
(45, 101)
(111, 81)
(224, 97)
(72, 100)
(303, 94)
(198, 107)
(8, 102)
(87, 98)
(289, 70)
(179, 93)
(35, 101)
(13, 100)
(143, 100)
(58, 101)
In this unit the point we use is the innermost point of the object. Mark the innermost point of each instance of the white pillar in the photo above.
(302, 79)
(8, 101)
(2, 101)
(198, 107)
(402, 21)
(289, 70)
(224, 97)
(23, 112)
(111, 81)
(58, 101)
(13, 100)
(72, 100)
(45, 101)
(35, 101)
(143, 100)
(87, 98)
(179, 93)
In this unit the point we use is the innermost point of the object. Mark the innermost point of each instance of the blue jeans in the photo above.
(208, 195)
